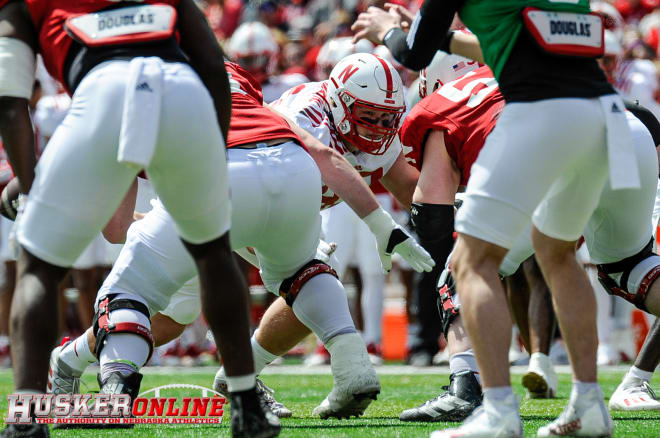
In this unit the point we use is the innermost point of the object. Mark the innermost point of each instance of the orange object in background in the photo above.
(395, 333)
(640, 328)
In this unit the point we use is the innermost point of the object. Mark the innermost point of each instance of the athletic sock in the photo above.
(497, 394)
(260, 355)
(322, 306)
(241, 383)
(123, 352)
(464, 361)
(77, 354)
(582, 388)
(125, 368)
(635, 372)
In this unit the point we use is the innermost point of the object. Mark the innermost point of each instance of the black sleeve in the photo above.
(428, 31)
(646, 117)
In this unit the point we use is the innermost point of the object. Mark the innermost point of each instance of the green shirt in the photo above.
(497, 24)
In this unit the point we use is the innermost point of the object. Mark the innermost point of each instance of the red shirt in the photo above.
(49, 16)
(250, 121)
(466, 110)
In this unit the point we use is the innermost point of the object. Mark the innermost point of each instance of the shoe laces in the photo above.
(266, 393)
(647, 389)
(65, 384)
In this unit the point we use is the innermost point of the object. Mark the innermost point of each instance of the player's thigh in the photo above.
(78, 182)
(153, 262)
(341, 225)
(294, 223)
(189, 169)
(621, 224)
(531, 147)
(185, 305)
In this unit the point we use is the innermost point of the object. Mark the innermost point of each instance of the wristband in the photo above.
(388, 34)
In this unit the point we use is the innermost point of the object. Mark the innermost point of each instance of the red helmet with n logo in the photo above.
(366, 99)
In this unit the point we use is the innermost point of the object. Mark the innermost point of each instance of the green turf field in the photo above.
(301, 393)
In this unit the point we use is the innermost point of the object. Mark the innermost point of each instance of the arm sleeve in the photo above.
(427, 33)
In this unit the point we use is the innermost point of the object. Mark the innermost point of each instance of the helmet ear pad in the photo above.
(362, 84)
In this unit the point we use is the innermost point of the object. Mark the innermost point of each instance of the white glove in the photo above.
(391, 238)
(325, 250)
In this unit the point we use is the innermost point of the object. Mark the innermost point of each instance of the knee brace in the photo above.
(447, 306)
(632, 277)
(103, 326)
(291, 286)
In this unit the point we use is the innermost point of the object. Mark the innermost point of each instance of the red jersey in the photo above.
(251, 122)
(49, 17)
(465, 109)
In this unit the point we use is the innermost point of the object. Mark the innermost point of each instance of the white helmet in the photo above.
(407, 75)
(612, 57)
(612, 45)
(365, 95)
(443, 68)
(336, 49)
(612, 19)
(254, 48)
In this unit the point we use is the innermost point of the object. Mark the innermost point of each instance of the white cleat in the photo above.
(490, 420)
(540, 378)
(634, 395)
(356, 384)
(62, 379)
(584, 415)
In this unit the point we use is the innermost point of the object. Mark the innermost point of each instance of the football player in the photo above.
(277, 197)
(254, 48)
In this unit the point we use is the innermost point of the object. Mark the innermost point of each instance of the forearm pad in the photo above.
(434, 225)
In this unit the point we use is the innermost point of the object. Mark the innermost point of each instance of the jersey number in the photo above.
(452, 92)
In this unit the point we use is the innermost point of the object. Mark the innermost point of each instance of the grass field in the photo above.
(301, 393)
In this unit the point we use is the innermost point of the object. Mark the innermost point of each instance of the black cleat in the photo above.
(116, 383)
(462, 397)
(32, 430)
(251, 417)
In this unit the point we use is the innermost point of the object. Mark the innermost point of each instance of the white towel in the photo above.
(624, 173)
(141, 113)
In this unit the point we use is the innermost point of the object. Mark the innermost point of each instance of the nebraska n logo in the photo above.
(346, 73)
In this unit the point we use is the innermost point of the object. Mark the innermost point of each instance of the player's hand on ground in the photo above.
(391, 238)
